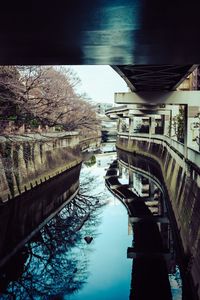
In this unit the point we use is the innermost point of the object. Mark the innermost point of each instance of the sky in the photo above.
(99, 82)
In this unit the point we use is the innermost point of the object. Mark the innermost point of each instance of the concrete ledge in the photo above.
(174, 97)
(157, 219)
(133, 254)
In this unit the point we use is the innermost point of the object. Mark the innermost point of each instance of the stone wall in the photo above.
(27, 161)
(182, 182)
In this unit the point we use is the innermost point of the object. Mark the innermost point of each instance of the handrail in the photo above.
(193, 155)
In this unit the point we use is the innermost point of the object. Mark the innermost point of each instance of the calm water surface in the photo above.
(59, 264)
(109, 270)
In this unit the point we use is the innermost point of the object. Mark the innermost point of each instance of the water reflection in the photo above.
(55, 261)
(23, 215)
(154, 258)
(58, 264)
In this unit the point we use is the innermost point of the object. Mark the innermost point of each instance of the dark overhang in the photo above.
(114, 32)
(154, 77)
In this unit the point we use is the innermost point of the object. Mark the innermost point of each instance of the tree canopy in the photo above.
(44, 95)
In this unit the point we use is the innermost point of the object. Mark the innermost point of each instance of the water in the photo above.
(58, 263)
(109, 271)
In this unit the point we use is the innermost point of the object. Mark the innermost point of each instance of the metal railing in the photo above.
(192, 155)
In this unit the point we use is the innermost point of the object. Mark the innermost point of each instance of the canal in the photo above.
(81, 253)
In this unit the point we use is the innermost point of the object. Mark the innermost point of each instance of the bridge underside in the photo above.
(153, 77)
(100, 32)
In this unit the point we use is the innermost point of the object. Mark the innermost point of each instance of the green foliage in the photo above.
(34, 123)
(8, 165)
(7, 150)
(91, 162)
(58, 128)
(12, 118)
(178, 125)
(197, 126)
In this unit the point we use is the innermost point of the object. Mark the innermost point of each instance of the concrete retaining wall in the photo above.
(22, 217)
(26, 162)
(182, 181)
(92, 143)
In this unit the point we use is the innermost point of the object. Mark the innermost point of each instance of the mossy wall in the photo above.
(26, 163)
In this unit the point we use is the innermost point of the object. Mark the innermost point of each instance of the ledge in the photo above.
(193, 156)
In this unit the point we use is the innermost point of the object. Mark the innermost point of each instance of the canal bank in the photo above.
(39, 182)
(22, 217)
(28, 160)
(70, 267)
(181, 180)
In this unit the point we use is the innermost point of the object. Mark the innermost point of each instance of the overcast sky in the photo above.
(99, 82)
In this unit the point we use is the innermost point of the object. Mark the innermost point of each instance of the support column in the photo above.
(185, 130)
(130, 176)
(119, 125)
(152, 125)
(120, 171)
(130, 126)
(170, 126)
(170, 123)
(163, 124)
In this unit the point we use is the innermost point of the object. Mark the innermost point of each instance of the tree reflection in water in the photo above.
(55, 261)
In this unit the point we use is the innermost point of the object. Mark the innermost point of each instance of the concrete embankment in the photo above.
(22, 217)
(39, 175)
(182, 182)
(26, 161)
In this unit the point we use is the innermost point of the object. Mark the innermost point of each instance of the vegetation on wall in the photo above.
(178, 125)
(7, 163)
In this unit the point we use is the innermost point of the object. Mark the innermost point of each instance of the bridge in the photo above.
(145, 129)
